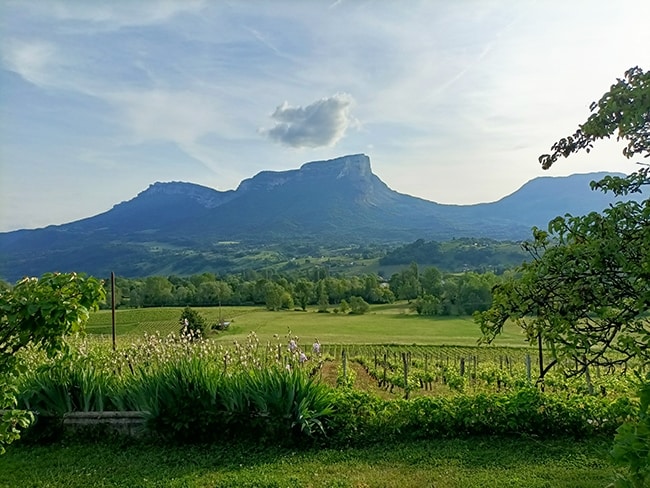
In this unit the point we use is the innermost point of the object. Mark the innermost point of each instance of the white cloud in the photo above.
(118, 14)
(33, 60)
(322, 123)
(468, 91)
(179, 116)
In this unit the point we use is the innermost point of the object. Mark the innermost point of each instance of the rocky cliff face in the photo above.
(354, 167)
(204, 196)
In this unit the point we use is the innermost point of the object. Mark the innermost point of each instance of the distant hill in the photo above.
(181, 227)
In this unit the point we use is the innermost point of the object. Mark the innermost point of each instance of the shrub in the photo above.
(632, 445)
(362, 418)
(358, 305)
(192, 322)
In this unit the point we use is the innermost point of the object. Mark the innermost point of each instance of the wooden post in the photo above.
(474, 374)
(344, 357)
(406, 375)
(528, 367)
(427, 383)
(541, 355)
(462, 366)
(590, 386)
(113, 308)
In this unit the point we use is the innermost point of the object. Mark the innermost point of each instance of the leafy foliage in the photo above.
(12, 420)
(358, 305)
(632, 445)
(363, 418)
(458, 254)
(38, 313)
(622, 110)
(41, 311)
(192, 322)
(586, 293)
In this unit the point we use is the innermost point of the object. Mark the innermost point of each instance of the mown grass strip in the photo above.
(444, 464)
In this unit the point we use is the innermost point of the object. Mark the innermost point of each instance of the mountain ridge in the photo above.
(337, 200)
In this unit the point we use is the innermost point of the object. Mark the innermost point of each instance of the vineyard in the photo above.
(191, 388)
(450, 370)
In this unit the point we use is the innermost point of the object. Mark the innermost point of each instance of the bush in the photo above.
(192, 322)
(358, 305)
(632, 445)
(362, 418)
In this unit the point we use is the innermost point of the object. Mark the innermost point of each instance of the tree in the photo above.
(431, 281)
(39, 312)
(192, 323)
(303, 290)
(406, 283)
(623, 110)
(426, 305)
(358, 306)
(157, 291)
(42, 311)
(273, 296)
(323, 297)
(586, 292)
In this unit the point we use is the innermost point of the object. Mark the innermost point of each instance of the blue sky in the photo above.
(453, 101)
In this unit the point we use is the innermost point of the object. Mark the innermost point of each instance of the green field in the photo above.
(384, 324)
(475, 463)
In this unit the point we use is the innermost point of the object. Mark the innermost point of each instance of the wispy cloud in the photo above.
(34, 60)
(468, 91)
(116, 15)
(322, 123)
(180, 116)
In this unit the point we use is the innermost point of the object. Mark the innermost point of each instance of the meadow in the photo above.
(384, 324)
(486, 427)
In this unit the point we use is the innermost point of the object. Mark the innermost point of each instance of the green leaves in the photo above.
(623, 111)
(40, 312)
(632, 445)
(12, 420)
(587, 290)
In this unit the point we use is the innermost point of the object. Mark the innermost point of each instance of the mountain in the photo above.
(174, 227)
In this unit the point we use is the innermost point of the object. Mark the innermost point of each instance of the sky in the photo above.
(453, 101)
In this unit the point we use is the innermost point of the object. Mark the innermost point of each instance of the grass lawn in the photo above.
(384, 324)
(446, 463)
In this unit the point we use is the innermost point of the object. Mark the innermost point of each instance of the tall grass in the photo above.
(195, 390)
(190, 389)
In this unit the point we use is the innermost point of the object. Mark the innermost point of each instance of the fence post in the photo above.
(344, 357)
(528, 367)
(590, 386)
(406, 375)
(113, 308)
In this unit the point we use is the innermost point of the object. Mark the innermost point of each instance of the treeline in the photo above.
(459, 254)
(429, 291)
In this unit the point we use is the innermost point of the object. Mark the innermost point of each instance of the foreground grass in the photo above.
(445, 463)
(384, 324)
